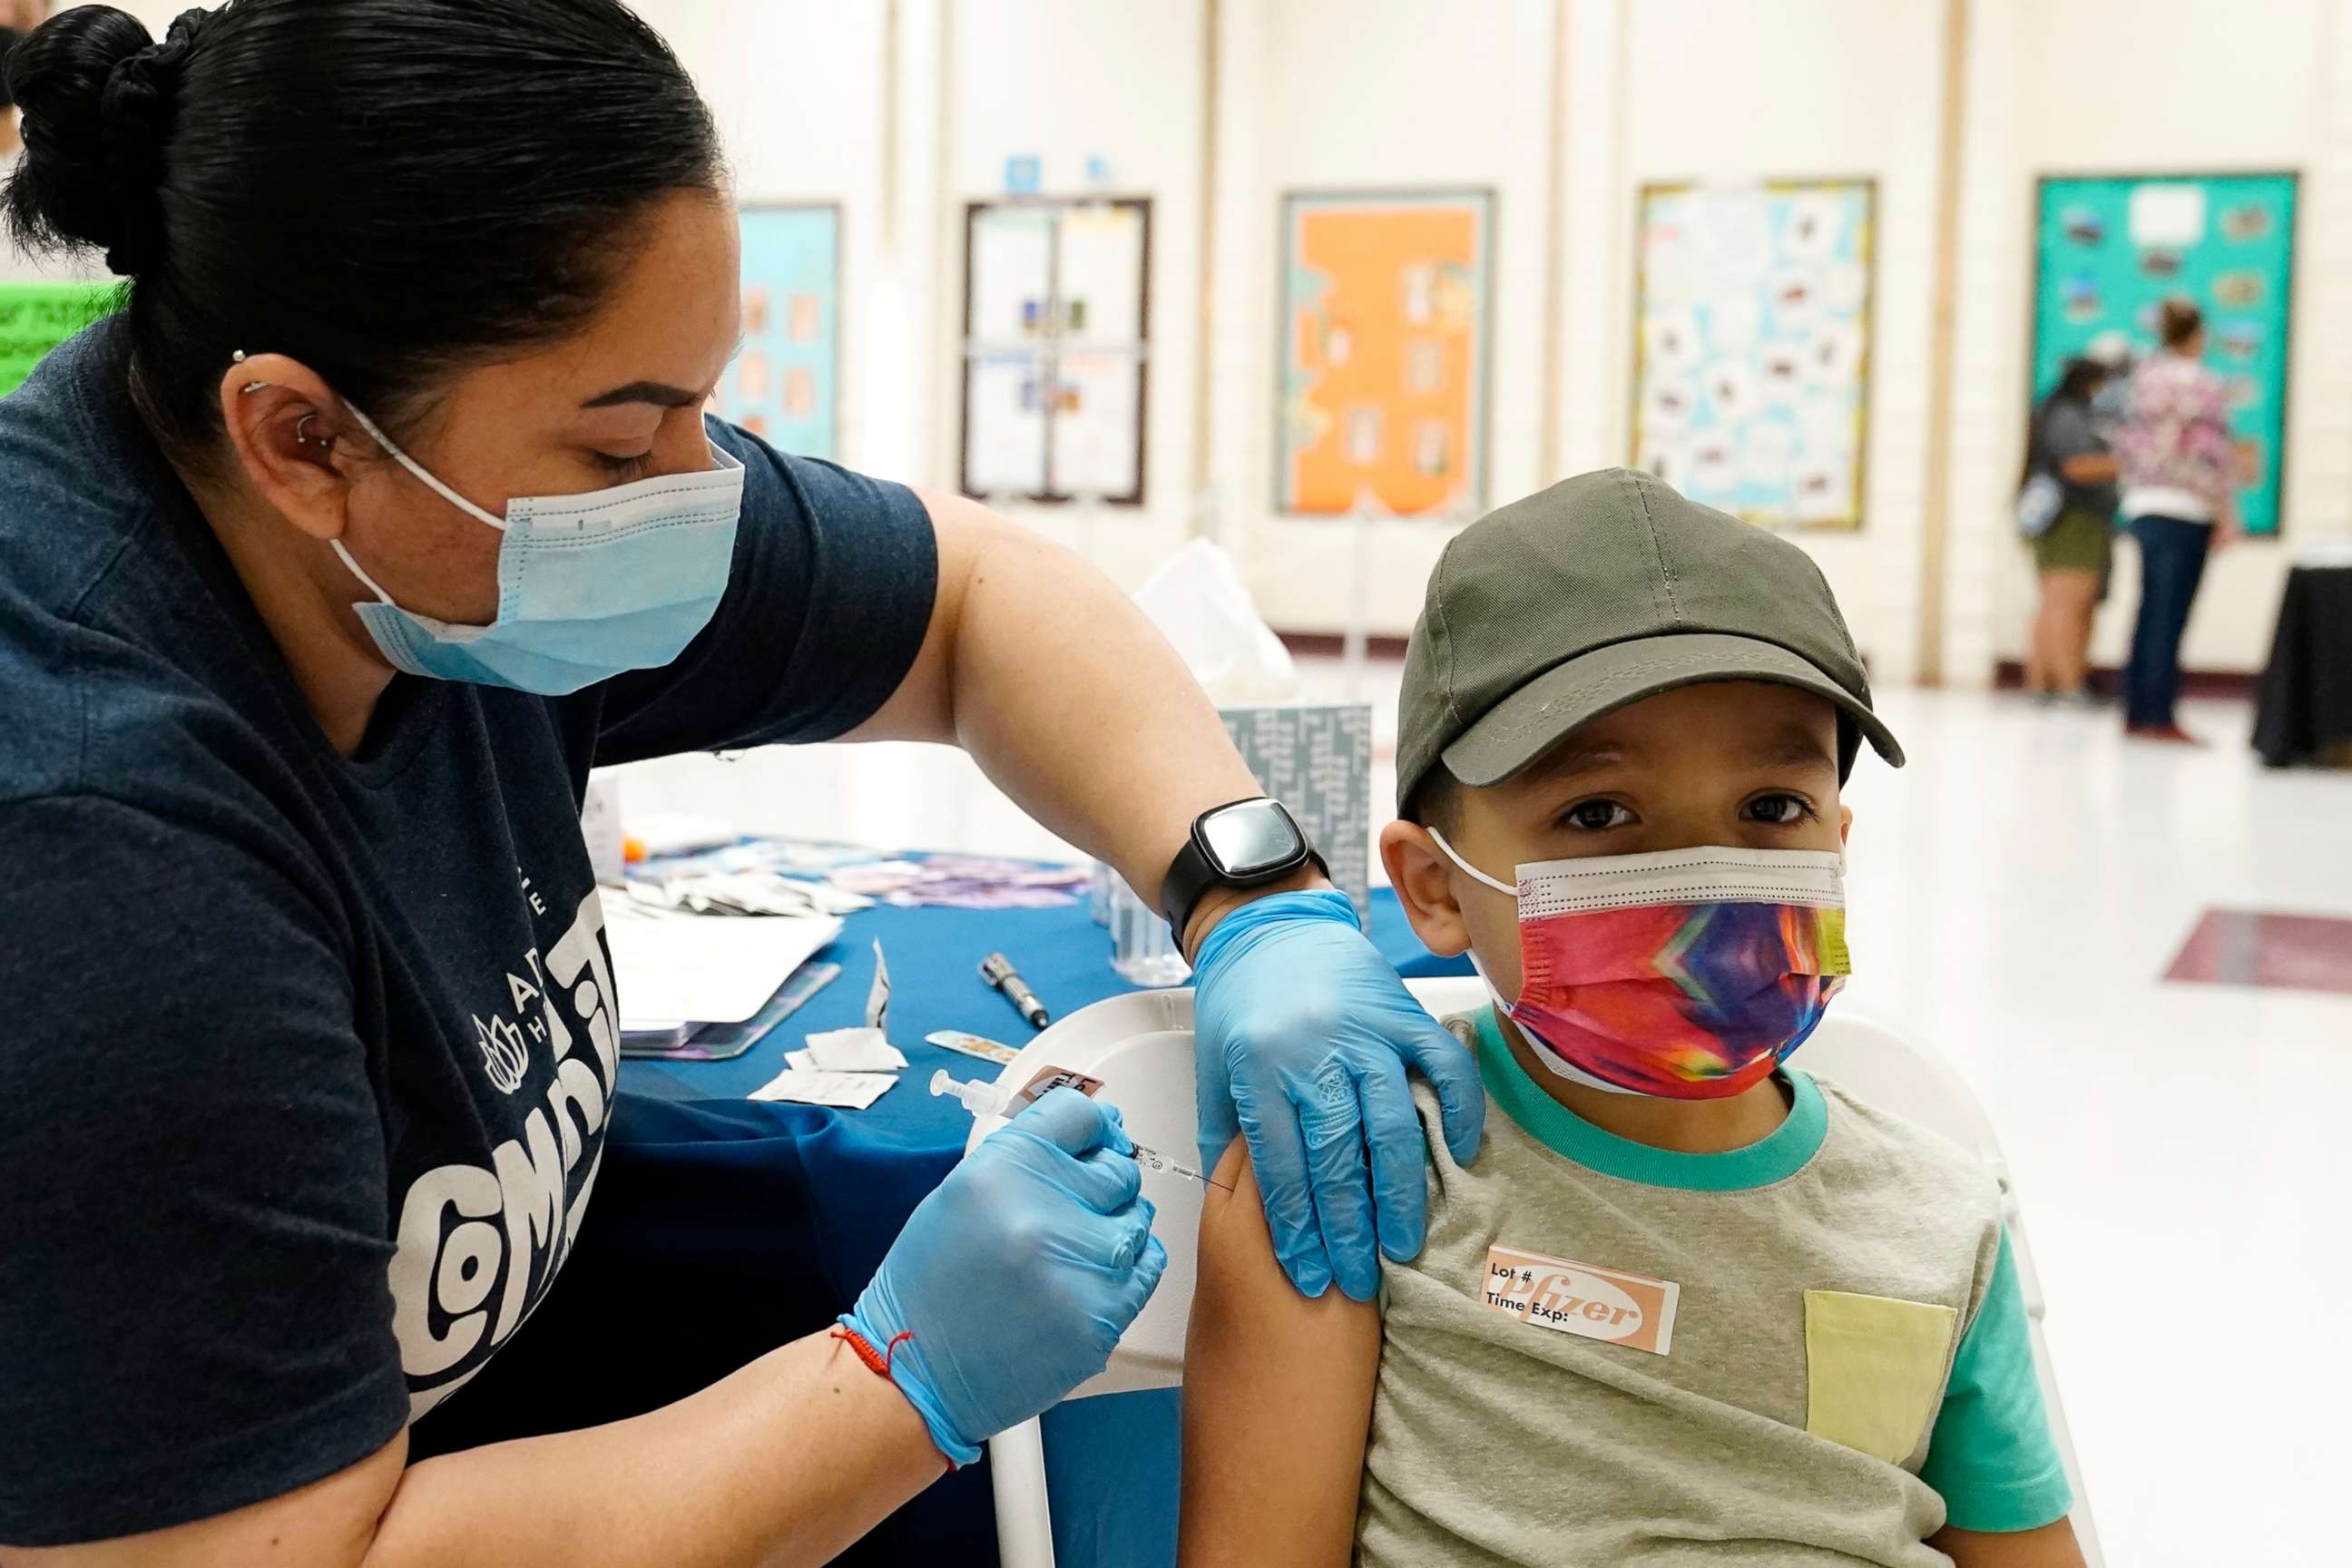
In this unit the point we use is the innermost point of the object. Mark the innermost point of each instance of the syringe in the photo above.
(987, 1100)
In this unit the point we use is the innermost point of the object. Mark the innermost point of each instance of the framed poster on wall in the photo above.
(785, 383)
(1056, 336)
(1751, 347)
(2110, 248)
(1384, 351)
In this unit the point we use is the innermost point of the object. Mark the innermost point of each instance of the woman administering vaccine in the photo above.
(384, 510)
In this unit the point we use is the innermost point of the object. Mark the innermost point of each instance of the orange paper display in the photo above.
(1384, 350)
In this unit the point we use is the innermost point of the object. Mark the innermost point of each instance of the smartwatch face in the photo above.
(1250, 837)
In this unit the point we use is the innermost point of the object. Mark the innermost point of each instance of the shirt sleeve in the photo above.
(1992, 1456)
(830, 594)
(194, 1306)
(2066, 432)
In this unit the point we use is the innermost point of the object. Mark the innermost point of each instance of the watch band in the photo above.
(1196, 871)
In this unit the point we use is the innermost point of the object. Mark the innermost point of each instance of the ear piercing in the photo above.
(303, 438)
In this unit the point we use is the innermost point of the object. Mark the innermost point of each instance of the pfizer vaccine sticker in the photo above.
(1569, 1298)
(1051, 1079)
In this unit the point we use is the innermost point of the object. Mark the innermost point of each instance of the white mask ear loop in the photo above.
(1557, 1064)
(1468, 869)
(414, 467)
(353, 567)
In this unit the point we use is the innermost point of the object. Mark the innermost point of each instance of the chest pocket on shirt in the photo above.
(1873, 1366)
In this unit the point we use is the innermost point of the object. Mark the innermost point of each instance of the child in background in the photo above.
(1688, 1305)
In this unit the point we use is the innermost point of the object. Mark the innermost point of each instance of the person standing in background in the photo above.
(2071, 556)
(17, 17)
(12, 140)
(2178, 466)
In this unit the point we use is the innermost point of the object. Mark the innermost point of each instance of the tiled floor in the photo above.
(2185, 1149)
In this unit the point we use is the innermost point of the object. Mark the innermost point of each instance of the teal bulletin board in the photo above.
(784, 385)
(2109, 249)
(37, 317)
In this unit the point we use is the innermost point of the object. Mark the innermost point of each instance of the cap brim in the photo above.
(1529, 722)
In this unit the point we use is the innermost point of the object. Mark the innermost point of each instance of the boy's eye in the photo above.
(1596, 816)
(1779, 810)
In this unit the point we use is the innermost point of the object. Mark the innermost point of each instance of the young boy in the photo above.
(1687, 1305)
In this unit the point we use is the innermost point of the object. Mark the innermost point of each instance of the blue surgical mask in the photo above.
(588, 585)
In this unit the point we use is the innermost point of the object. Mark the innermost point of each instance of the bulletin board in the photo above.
(37, 317)
(1385, 349)
(1056, 337)
(784, 385)
(1751, 359)
(2110, 248)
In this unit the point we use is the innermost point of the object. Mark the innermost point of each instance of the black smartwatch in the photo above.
(1244, 844)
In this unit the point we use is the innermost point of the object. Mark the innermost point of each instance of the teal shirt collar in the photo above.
(1776, 1157)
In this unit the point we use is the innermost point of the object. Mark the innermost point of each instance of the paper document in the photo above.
(847, 1050)
(705, 969)
(877, 995)
(853, 1091)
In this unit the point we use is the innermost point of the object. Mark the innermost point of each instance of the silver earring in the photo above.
(303, 439)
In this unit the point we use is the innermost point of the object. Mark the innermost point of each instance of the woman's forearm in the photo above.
(785, 1462)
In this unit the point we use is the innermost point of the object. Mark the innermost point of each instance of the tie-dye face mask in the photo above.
(1684, 975)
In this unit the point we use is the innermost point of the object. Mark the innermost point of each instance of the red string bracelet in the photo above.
(876, 1362)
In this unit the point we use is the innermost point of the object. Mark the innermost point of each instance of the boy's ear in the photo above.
(1845, 825)
(1423, 880)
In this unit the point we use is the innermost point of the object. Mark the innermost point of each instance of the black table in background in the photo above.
(2304, 713)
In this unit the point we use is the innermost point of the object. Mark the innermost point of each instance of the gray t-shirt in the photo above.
(1809, 1351)
(2067, 429)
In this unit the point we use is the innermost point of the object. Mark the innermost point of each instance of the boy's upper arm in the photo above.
(1992, 1456)
(2052, 1546)
(1278, 1398)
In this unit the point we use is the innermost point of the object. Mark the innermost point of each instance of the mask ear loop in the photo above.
(1468, 869)
(417, 468)
(1552, 1060)
(342, 554)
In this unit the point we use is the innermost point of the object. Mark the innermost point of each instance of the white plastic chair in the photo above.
(1141, 1046)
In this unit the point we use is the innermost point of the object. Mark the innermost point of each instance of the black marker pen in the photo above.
(998, 970)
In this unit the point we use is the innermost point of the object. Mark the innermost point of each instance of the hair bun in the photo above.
(96, 93)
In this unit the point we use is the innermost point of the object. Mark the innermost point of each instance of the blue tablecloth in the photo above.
(723, 1227)
(934, 956)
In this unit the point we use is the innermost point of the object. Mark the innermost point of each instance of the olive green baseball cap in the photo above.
(1599, 592)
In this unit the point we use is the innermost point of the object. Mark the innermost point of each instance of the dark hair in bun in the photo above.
(386, 189)
(94, 87)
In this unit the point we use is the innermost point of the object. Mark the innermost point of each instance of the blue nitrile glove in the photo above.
(1017, 1275)
(1302, 1034)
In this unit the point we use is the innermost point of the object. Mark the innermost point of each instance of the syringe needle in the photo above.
(1156, 1160)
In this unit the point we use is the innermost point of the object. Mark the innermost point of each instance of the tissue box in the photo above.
(1317, 759)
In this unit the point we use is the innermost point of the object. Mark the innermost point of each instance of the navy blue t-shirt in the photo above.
(305, 1059)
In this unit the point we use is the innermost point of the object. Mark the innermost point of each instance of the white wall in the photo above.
(1379, 94)
(1335, 93)
(797, 91)
(2152, 86)
(1067, 80)
(1802, 87)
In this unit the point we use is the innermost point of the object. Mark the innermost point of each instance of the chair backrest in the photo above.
(1141, 1046)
